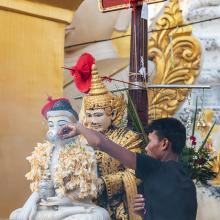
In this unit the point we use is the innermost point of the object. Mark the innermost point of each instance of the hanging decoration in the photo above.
(81, 72)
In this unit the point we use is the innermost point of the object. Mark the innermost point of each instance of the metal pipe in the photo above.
(161, 86)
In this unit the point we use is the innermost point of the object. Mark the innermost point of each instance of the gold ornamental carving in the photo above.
(177, 56)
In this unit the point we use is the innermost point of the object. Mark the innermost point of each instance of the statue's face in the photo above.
(98, 119)
(55, 123)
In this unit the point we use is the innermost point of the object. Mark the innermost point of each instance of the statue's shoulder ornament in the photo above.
(125, 137)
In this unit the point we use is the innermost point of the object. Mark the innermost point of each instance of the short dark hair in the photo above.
(172, 129)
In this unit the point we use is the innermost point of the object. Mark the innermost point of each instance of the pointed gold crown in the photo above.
(100, 97)
(97, 86)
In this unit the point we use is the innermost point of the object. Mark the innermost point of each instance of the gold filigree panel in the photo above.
(177, 55)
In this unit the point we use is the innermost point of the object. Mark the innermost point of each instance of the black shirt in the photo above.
(169, 194)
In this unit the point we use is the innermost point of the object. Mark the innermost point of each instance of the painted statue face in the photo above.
(98, 119)
(54, 124)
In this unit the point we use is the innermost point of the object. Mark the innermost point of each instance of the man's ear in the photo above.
(165, 144)
(114, 113)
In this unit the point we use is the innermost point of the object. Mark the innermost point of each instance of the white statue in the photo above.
(63, 174)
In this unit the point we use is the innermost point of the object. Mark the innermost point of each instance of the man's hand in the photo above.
(139, 205)
(68, 131)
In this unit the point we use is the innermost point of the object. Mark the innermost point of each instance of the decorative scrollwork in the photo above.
(177, 56)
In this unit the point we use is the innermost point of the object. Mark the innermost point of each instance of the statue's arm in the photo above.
(29, 208)
(113, 184)
(57, 201)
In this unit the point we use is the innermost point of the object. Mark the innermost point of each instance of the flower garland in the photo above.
(75, 170)
(40, 162)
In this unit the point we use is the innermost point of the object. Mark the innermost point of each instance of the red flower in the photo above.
(194, 142)
(201, 161)
(82, 72)
(193, 139)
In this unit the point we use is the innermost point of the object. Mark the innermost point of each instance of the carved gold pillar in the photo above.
(31, 57)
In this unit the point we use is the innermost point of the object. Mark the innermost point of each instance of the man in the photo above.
(169, 194)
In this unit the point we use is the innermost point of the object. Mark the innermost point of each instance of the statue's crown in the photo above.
(100, 97)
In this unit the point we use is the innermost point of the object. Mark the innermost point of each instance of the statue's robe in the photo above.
(68, 183)
(120, 182)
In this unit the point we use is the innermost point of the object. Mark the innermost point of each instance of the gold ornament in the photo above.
(216, 168)
(100, 98)
(118, 179)
(176, 54)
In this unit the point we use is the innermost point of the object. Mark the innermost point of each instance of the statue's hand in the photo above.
(46, 189)
(56, 201)
(100, 185)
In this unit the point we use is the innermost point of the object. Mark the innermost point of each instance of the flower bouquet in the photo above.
(197, 158)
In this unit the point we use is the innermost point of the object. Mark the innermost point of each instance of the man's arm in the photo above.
(100, 142)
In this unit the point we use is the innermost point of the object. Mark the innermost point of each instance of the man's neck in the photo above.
(170, 156)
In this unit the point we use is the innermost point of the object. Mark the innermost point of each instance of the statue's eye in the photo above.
(62, 122)
(98, 114)
(50, 125)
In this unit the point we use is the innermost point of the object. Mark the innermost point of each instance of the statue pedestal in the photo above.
(31, 57)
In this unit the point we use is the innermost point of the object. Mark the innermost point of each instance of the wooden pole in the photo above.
(138, 53)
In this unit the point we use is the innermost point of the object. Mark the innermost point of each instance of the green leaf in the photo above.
(195, 117)
(207, 136)
(135, 117)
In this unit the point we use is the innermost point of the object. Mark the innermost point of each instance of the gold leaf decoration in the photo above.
(177, 55)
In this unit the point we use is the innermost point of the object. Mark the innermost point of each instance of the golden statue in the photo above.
(103, 112)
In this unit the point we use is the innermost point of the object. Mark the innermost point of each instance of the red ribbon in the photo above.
(106, 78)
(109, 79)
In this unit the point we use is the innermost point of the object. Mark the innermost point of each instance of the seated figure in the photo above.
(63, 174)
(103, 111)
